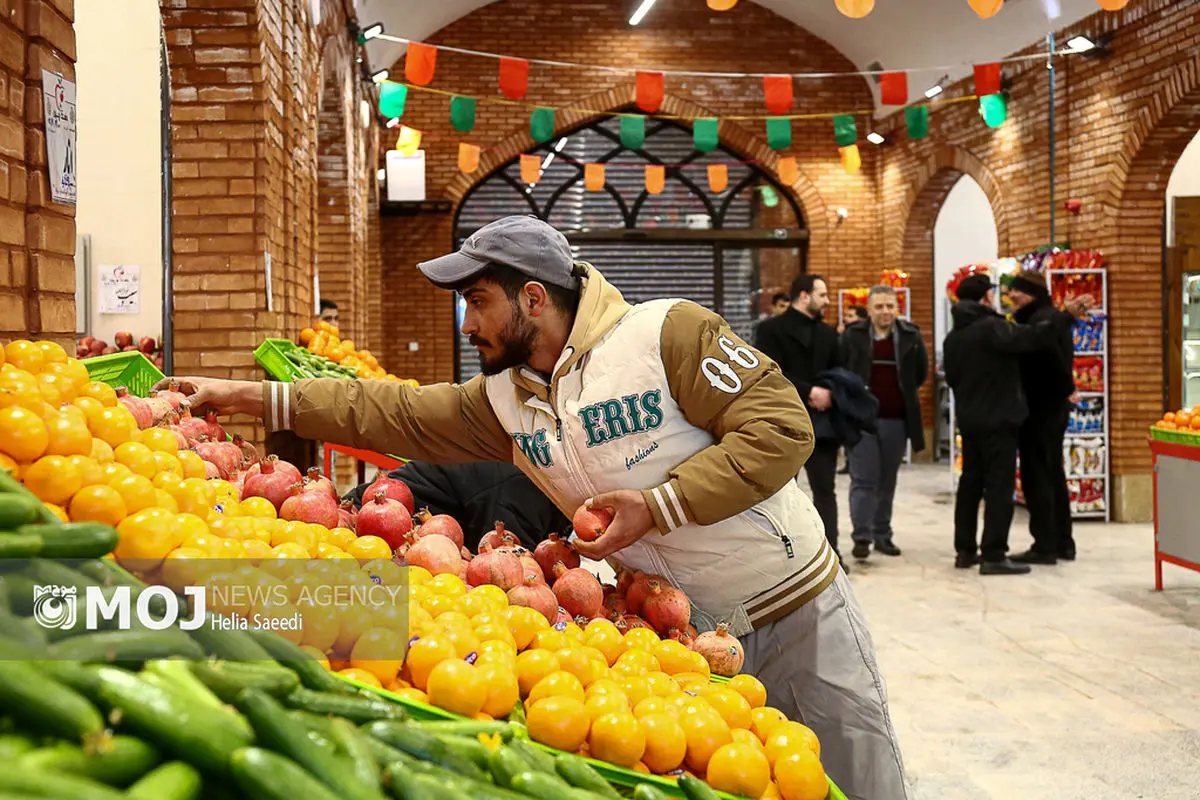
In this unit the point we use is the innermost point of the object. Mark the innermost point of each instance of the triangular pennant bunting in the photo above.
(779, 133)
(718, 178)
(994, 109)
(845, 130)
(514, 77)
(419, 63)
(541, 124)
(851, 158)
(633, 131)
(893, 88)
(704, 134)
(462, 113)
(593, 177)
(778, 93)
(917, 121)
(392, 97)
(987, 79)
(531, 168)
(789, 173)
(649, 91)
(722, 5)
(409, 141)
(468, 157)
(656, 177)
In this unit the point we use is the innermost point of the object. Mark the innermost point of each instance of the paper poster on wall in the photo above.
(58, 102)
(120, 289)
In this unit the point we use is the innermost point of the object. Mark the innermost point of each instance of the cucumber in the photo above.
(696, 789)
(186, 693)
(128, 646)
(355, 709)
(547, 787)
(517, 715)
(20, 650)
(179, 677)
(430, 775)
(467, 748)
(21, 631)
(19, 591)
(43, 571)
(231, 645)
(73, 674)
(36, 783)
(423, 745)
(107, 573)
(174, 780)
(13, 745)
(73, 540)
(538, 758)
(582, 775)
(353, 742)
(646, 791)
(505, 764)
(19, 545)
(407, 785)
(226, 678)
(17, 510)
(10, 486)
(311, 674)
(466, 727)
(44, 704)
(277, 731)
(192, 732)
(264, 775)
(119, 761)
(313, 722)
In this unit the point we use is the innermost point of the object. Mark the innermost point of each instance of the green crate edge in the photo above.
(131, 370)
(270, 356)
(616, 775)
(1175, 437)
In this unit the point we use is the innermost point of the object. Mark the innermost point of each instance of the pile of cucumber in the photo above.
(315, 366)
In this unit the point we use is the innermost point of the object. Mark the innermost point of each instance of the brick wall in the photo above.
(37, 236)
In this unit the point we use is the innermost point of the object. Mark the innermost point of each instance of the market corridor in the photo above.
(1078, 681)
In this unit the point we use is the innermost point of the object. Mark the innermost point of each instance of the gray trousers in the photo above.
(818, 664)
(874, 463)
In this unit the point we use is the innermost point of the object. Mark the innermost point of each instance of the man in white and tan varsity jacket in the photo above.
(659, 412)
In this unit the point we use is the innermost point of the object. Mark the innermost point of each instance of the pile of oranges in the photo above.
(325, 340)
(1183, 420)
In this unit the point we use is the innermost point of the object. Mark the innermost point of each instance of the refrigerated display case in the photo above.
(1191, 339)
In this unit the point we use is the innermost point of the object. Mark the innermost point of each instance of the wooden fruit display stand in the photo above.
(1176, 450)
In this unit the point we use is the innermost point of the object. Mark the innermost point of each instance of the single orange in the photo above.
(560, 722)
(456, 686)
(800, 776)
(739, 769)
(23, 434)
(666, 743)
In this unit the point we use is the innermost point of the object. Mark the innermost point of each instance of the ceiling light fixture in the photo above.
(381, 76)
(934, 91)
(641, 12)
(1080, 44)
(560, 144)
(381, 175)
(371, 31)
(875, 138)
(393, 122)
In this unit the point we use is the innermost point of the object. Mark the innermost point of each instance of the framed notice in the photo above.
(120, 289)
(58, 103)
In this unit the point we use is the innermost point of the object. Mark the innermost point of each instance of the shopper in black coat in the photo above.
(478, 495)
(1047, 377)
(982, 368)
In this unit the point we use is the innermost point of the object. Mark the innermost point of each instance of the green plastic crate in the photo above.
(271, 356)
(1176, 437)
(132, 370)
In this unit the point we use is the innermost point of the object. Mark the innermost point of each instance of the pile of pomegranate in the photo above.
(90, 347)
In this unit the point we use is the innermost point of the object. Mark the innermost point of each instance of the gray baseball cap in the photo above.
(525, 243)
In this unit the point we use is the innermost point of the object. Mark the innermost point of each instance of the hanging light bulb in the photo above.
(855, 9)
(1113, 5)
(722, 5)
(985, 8)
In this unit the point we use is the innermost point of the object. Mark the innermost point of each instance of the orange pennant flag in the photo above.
(409, 142)
(851, 158)
(656, 178)
(593, 177)
(419, 63)
(531, 168)
(789, 173)
(718, 177)
(649, 91)
(778, 91)
(468, 157)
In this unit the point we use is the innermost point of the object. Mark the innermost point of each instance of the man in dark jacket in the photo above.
(982, 367)
(1047, 377)
(803, 346)
(888, 353)
(479, 494)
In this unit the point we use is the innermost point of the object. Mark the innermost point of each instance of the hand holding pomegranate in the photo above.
(631, 520)
(222, 396)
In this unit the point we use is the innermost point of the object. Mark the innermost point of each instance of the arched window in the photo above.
(720, 249)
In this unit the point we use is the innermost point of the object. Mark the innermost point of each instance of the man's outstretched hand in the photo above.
(222, 396)
(631, 521)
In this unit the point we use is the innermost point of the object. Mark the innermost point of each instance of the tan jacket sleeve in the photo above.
(763, 434)
(443, 423)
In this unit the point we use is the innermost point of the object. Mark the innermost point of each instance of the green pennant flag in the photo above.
(462, 113)
(392, 97)
(917, 118)
(633, 131)
(770, 197)
(994, 109)
(779, 133)
(541, 124)
(845, 130)
(704, 134)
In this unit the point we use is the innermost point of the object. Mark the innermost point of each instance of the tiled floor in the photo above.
(1078, 682)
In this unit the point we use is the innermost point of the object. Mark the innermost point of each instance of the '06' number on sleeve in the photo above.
(720, 374)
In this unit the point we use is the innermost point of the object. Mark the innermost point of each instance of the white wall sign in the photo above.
(58, 102)
(120, 289)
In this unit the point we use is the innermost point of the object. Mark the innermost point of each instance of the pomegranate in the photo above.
(577, 591)
(435, 553)
(226, 461)
(640, 590)
(273, 481)
(396, 489)
(173, 396)
(496, 568)
(465, 553)
(212, 471)
(249, 451)
(536, 596)
(319, 483)
(280, 466)
(561, 618)
(310, 507)
(347, 515)
(215, 431)
(683, 637)
(615, 603)
(634, 621)
(383, 517)
(590, 523)
(192, 427)
(666, 607)
(553, 550)
(441, 524)
(723, 652)
(497, 538)
(462, 575)
(531, 567)
(410, 539)
(625, 578)
(137, 406)
(239, 480)
(160, 409)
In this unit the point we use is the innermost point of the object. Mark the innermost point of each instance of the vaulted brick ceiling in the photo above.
(898, 33)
